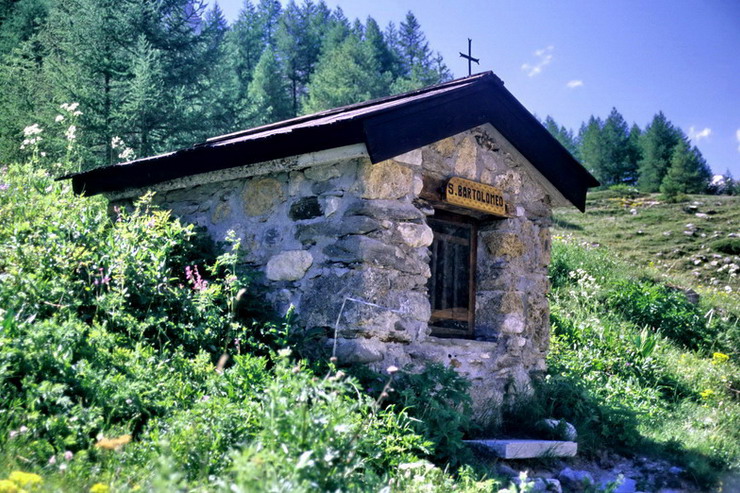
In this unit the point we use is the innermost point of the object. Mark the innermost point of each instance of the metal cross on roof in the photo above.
(470, 58)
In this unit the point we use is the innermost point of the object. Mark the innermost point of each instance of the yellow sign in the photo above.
(474, 195)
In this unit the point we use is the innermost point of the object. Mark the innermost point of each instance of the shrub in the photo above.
(662, 308)
(730, 246)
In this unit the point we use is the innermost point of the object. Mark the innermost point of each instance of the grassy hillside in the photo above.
(696, 242)
(646, 328)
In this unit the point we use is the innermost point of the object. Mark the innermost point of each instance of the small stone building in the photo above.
(411, 229)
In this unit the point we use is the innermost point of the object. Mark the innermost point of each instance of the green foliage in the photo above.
(607, 150)
(688, 172)
(661, 308)
(564, 136)
(347, 74)
(163, 75)
(731, 246)
(657, 143)
(438, 401)
(623, 371)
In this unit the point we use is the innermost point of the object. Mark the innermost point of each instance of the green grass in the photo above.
(635, 363)
(653, 236)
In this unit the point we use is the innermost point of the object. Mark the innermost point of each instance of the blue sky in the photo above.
(574, 58)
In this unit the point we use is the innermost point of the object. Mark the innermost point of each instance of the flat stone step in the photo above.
(526, 449)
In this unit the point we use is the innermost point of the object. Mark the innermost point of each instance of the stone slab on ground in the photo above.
(526, 449)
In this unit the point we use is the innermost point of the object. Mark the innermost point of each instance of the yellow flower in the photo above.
(25, 479)
(113, 443)
(7, 486)
(707, 394)
(719, 358)
(99, 488)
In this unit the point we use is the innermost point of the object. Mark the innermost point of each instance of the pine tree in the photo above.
(299, 45)
(245, 43)
(222, 94)
(268, 15)
(656, 144)
(348, 74)
(634, 153)
(145, 111)
(268, 91)
(337, 31)
(419, 67)
(563, 135)
(379, 48)
(591, 146)
(617, 163)
(688, 172)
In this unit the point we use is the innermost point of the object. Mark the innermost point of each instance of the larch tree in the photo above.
(268, 92)
(688, 172)
(657, 143)
(348, 74)
(563, 135)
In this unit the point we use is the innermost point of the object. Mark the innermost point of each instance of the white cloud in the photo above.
(696, 135)
(574, 83)
(544, 57)
(737, 136)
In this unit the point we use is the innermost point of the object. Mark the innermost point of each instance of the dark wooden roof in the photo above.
(388, 127)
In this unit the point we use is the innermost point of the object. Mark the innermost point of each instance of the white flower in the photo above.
(126, 153)
(116, 142)
(70, 133)
(52, 460)
(32, 130)
(76, 113)
(59, 118)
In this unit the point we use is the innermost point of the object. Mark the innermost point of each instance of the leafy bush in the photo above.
(661, 308)
(438, 401)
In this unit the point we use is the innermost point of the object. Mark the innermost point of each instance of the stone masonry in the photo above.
(351, 232)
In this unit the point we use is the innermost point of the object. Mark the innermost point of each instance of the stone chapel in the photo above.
(411, 229)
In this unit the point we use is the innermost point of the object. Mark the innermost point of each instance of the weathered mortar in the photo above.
(353, 229)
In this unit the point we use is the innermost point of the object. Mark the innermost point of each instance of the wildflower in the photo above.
(4, 186)
(99, 488)
(7, 486)
(193, 276)
(71, 132)
(71, 107)
(25, 479)
(127, 153)
(68, 455)
(113, 443)
(32, 130)
(52, 460)
(116, 142)
(707, 394)
(719, 358)
(62, 467)
(23, 429)
(59, 118)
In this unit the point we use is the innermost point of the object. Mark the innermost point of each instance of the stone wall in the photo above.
(354, 234)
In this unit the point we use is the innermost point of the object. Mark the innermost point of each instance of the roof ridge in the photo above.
(349, 107)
